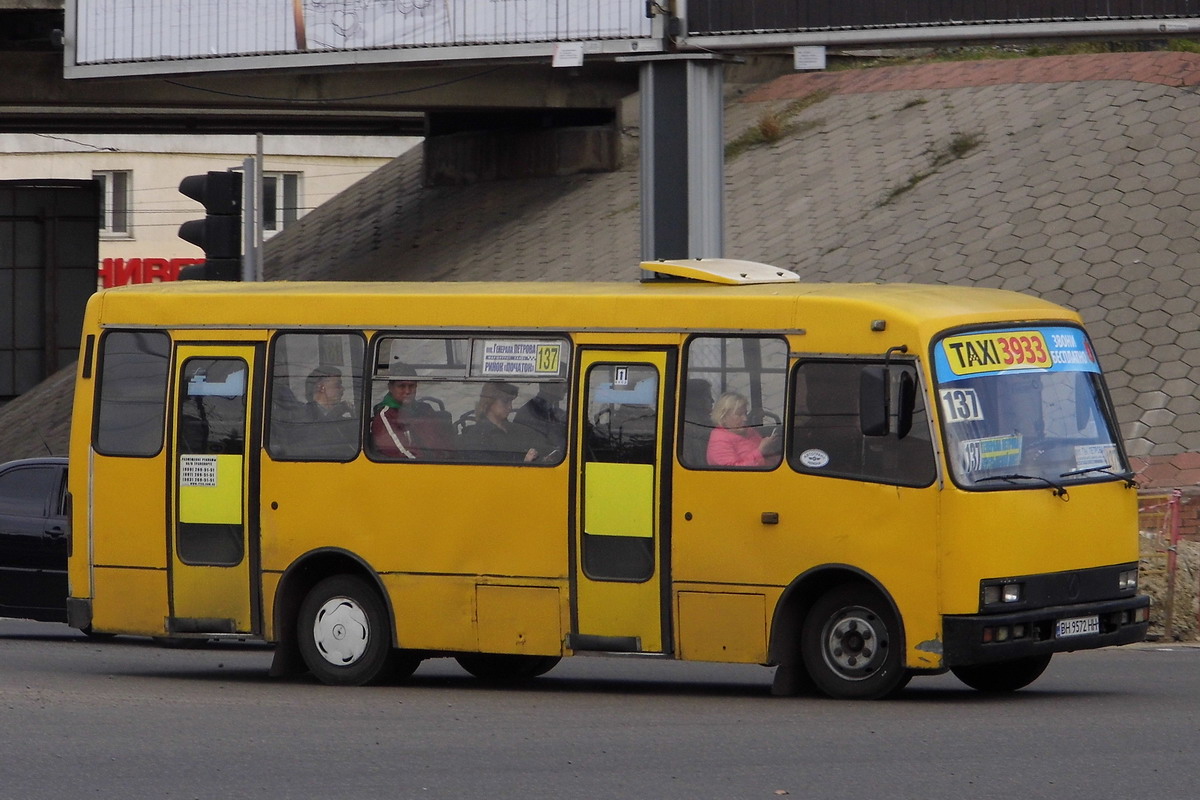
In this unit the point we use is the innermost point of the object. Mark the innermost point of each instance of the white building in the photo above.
(139, 175)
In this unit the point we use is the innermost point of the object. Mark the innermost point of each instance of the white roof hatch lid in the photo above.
(730, 271)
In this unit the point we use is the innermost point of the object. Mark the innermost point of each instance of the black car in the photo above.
(33, 539)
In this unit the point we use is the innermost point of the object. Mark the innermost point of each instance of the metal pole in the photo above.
(258, 210)
(252, 214)
(682, 156)
(249, 215)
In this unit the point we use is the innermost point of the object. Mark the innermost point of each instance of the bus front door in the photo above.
(210, 544)
(620, 575)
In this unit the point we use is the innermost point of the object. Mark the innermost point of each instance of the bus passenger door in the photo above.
(211, 546)
(620, 574)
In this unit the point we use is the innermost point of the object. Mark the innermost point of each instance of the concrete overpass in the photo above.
(367, 90)
(363, 99)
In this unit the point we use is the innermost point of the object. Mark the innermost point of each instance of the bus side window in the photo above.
(827, 436)
(316, 396)
(751, 370)
(131, 409)
(468, 398)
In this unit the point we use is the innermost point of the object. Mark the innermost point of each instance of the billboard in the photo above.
(114, 37)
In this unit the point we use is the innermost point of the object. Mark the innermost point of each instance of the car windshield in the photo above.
(1023, 407)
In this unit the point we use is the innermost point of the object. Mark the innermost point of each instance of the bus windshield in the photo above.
(1024, 407)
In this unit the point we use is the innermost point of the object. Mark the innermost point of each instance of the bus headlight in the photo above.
(1128, 580)
(997, 593)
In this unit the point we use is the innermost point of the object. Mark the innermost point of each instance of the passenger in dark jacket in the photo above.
(493, 437)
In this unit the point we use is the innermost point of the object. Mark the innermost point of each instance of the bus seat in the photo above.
(286, 415)
(695, 443)
(464, 422)
(433, 426)
(697, 422)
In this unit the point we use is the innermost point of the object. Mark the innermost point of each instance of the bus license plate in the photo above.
(1076, 626)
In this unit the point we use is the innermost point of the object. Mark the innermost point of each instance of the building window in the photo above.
(281, 199)
(114, 202)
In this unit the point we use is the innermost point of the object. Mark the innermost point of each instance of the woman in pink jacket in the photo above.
(731, 443)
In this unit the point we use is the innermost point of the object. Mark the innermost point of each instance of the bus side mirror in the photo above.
(873, 401)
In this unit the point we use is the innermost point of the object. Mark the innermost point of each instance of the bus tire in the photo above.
(850, 644)
(506, 667)
(1003, 676)
(343, 633)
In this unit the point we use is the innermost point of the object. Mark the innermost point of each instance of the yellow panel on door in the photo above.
(618, 499)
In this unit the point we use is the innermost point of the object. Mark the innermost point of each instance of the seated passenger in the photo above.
(402, 428)
(542, 415)
(328, 427)
(734, 444)
(324, 391)
(493, 437)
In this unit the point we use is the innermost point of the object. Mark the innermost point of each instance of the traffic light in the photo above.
(219, 234)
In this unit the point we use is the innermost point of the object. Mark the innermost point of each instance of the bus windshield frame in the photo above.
(1024, 407)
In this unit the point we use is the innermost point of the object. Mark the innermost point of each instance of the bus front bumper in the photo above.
(985, 638)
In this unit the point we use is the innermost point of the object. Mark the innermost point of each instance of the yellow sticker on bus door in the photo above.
(210, 489)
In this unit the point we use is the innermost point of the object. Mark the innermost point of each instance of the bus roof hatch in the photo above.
(728, 271)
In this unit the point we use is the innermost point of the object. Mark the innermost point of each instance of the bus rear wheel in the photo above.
(1003, 676)
(506, 667)
(850, 644)
(343, 633)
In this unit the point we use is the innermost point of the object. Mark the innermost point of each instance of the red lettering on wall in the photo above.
(122, 271)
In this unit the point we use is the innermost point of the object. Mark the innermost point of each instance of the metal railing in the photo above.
(1174, 596)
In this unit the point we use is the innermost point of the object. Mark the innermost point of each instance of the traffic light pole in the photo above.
(252, 214)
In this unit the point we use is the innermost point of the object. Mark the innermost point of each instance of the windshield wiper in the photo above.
(1059, 491)
(1107, 469)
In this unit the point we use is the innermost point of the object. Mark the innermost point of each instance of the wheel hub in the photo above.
(341, 631)
(855, 643)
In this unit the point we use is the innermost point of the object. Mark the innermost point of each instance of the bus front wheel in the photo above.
(1003, 676)
(343, 632)
(850, 643)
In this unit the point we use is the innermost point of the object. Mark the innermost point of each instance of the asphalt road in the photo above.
(127, 719)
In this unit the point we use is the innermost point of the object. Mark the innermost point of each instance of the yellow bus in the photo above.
(855, 484)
